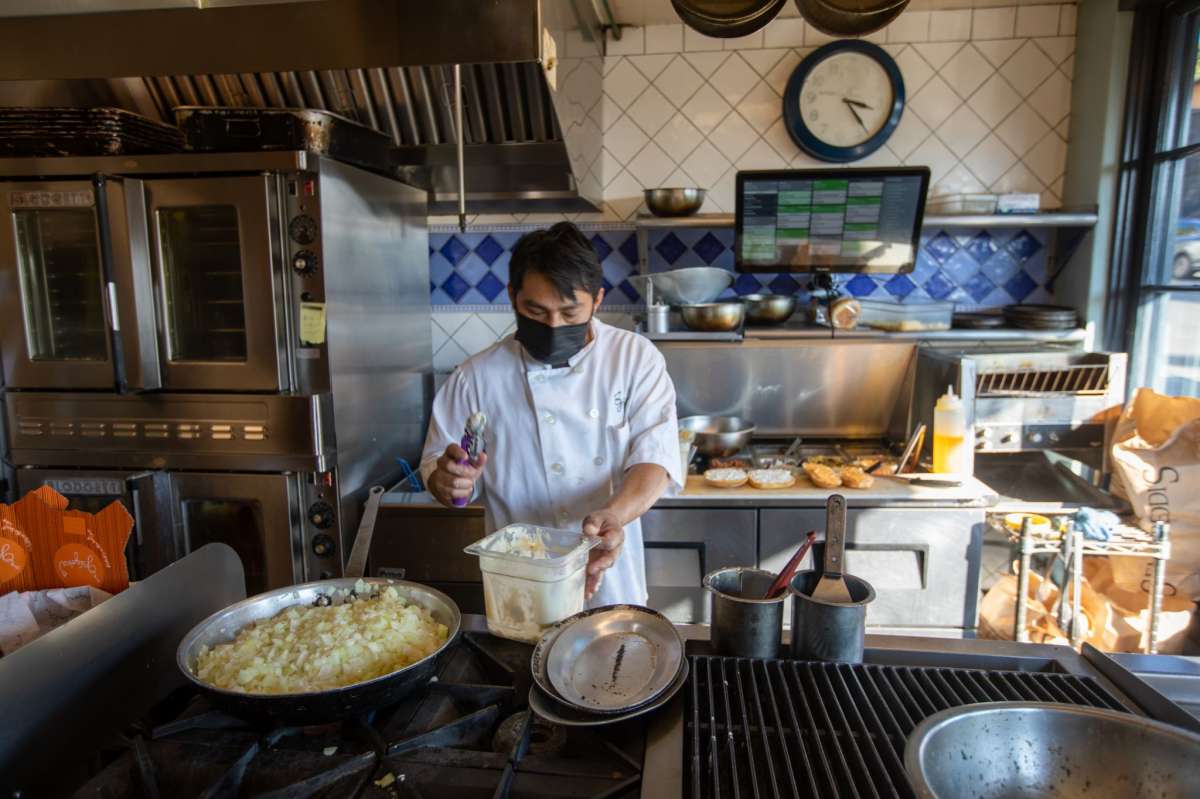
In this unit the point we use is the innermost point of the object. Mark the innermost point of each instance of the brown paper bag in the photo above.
(1156, 466)
(1125, 583)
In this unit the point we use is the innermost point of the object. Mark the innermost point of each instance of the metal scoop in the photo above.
(832, 588)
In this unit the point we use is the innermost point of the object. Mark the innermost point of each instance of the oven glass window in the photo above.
(61, 286)
(238, 523)
(202, 280)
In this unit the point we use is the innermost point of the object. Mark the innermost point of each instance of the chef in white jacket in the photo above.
(581, 426)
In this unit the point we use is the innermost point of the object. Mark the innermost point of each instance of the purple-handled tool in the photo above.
(472, 444)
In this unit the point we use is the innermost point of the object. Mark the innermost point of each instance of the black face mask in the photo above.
(548, 344)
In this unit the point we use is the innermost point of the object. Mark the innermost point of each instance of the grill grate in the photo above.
(1080, 379)
(782, 728)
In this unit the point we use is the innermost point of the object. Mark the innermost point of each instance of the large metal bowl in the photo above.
(1012, 750)
(769, 309)
(316, 706)
(674, 202)
(714, 317)
(719, 436)
(690, 286)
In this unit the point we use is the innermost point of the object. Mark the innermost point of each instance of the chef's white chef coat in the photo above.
(559, 440)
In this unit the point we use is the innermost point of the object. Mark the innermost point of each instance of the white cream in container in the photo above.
(533, 577)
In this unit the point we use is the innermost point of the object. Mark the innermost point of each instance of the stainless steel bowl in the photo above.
(769, 309)
(674, 202)
(714, 317)
(690, 286)
(719, 436)
(1000, 750)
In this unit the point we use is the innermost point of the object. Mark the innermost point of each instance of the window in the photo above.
(1166, 340)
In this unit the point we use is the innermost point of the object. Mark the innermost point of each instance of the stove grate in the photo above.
(781, 728)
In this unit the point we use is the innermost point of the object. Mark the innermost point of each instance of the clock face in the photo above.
(846, 99)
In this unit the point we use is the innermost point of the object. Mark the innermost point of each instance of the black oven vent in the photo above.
(782, 728)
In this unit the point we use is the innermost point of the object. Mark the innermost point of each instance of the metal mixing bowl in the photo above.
(769, 309)
(689, 286)
(1007, 750)
(714, 317)
(719, 436)
(674, 202)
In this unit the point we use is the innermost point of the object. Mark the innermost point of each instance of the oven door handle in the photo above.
(156, 523)
(131, 289)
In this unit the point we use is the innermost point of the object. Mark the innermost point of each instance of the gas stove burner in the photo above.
(544, 738)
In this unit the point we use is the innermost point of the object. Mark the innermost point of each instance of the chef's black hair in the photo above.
(562, 254)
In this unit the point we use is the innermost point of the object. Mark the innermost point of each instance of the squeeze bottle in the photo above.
(951, 449)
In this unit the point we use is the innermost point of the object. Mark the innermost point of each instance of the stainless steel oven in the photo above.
(176, 513)
(251, 330)
(174, 284)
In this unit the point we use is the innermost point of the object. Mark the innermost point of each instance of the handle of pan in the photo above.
(835, 535)
(356, 566)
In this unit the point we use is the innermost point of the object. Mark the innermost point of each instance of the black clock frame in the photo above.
(803, 136)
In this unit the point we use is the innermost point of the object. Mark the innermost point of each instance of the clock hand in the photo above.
(850, 106)
(858, 103)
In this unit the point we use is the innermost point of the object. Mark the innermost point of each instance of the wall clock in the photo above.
(844, 100)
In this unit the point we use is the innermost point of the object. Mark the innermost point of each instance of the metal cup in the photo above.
(829, 631)
(743, 623)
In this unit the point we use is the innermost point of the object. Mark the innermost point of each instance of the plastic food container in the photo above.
(533, 577)
(907, 318)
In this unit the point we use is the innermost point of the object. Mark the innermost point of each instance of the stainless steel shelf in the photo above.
(1051, 219)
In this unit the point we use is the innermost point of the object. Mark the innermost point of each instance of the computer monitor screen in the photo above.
(830, 220)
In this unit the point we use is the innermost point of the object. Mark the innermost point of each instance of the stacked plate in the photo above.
(606, 665)
(1041, 317)
(83, 131)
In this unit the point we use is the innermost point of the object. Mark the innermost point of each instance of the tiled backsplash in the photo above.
(971, 267)
(989, 96)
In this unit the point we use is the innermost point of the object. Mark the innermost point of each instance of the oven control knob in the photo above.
(321, 515)
(1035, 438)
(1007, 438)
(322, 545)
(304, 263)
(303, 229)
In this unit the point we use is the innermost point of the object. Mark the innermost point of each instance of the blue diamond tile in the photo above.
(981, 246)
(899, 286)
(472, 269)
(784, 284)
(861, 286)
(1020, 285)
(431, 250)
(629, 249)
(455, 287)
(473, 297)
(939, 286)
(747, 284)
(941, 247)
(1023, 246)
(439, 297)
(979, 286)
(606, 285)
(629, 291)
(439, 269)
(615, 270)
(1000, 267)
(960, 267)
(670, 248)
(454, 250)
(602, 247)
(500, 268)
(709, 248)
(491, 287)
(489, 250)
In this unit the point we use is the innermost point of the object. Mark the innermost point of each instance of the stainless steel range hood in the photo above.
(531, 76)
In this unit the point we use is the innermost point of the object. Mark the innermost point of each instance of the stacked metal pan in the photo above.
(36, 132)
(606, 665)
(1041, 317)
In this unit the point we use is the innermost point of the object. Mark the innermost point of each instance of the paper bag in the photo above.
(1156, 466)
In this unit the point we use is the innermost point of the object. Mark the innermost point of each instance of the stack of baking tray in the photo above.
(218, 129)
(1041, 317)
(36, 132)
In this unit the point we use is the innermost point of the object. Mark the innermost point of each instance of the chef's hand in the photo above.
(451, 480)
(605, 525)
